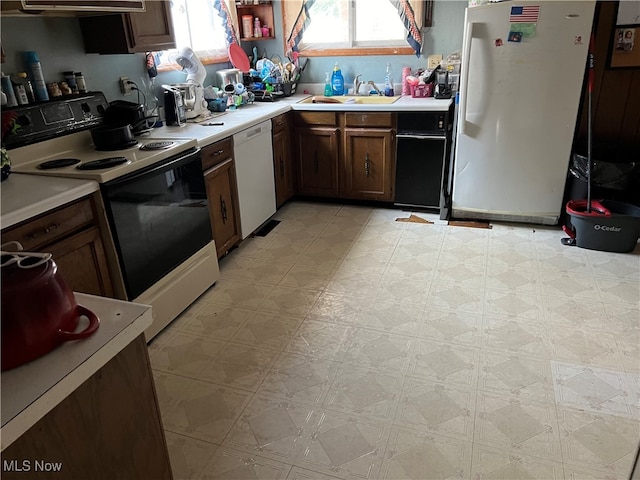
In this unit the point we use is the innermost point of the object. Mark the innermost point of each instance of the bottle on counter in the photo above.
(328, 90)
(70, 78)
(7, 89)
(35, 68)
(82, 86)
(20, 92)
(388, 82)
(337, 81)
(28, 87)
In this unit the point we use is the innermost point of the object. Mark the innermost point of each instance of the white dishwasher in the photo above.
(254, 173)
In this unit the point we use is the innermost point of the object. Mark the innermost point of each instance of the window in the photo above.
(352, 24)
(351, 27)
(198, 25)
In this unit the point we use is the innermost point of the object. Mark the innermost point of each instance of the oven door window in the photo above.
(159, 218)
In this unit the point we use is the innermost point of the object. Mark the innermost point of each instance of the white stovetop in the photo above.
(32, 390)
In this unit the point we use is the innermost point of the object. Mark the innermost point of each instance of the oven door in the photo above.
(159, 217)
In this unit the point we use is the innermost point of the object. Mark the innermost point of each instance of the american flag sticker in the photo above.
(524, 14)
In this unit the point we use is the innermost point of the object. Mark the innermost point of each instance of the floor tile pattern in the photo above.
(347, 345)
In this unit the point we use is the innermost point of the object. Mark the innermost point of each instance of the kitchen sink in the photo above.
(351, 100)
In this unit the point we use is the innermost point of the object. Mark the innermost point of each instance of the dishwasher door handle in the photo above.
(420, 137)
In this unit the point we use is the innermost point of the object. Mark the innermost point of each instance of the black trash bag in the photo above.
(614, 176)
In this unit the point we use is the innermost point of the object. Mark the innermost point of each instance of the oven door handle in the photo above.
(420, 137)
(160, 167)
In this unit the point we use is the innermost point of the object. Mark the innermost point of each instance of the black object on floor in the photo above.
(264, 231)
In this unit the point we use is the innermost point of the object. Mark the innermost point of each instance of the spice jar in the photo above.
(82, 86)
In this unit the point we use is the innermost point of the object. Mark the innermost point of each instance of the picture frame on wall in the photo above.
(624, 51)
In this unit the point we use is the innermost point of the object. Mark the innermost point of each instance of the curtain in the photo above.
(296, 19)
(408, 17)
(228, 20)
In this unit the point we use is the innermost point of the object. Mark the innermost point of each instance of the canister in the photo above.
(247, 26)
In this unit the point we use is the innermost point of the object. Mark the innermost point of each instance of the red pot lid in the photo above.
(239, 58)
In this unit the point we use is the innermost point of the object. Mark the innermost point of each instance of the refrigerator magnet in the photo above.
(498, 42)
(515, 37)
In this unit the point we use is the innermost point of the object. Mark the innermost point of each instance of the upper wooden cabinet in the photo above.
(146, 31)
(263, 11)
(52, 7)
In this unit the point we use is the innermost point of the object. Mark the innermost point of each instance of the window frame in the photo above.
(426, 17)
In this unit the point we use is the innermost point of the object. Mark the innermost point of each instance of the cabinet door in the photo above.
(317, 150)
(223, 205)
(282, 166)
(153, 29)
(83, 264)
(368, 165)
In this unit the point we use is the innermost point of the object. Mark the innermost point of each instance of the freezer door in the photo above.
(518, 109)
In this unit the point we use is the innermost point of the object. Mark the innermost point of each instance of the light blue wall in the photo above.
(58, 42)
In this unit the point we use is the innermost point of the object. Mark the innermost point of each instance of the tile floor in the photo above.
(346, 345)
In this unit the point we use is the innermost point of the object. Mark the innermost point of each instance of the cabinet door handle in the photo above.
(223, 209)
(367, 165)
(281, 168)
(219, 152)
(315, 162)
(45, 231)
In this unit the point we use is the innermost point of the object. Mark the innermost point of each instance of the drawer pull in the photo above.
(45, 231)
(219, 152)
(367, 165)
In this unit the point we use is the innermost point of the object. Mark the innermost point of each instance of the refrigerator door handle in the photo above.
(464, 81)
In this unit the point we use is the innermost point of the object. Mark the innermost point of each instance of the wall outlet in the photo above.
(125, 86)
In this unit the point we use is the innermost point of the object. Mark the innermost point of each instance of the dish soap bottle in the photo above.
(328, 90)
(337, 81)
(388, 82)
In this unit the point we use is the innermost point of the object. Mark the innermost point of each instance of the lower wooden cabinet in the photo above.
(109, 427)
(282, 159)
(317, 149)
(71, 234)
(222, 194)
(368, 165)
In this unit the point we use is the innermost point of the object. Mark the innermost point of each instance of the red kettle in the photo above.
(39, 311)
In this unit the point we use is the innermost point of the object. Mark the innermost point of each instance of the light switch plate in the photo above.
(433, 61)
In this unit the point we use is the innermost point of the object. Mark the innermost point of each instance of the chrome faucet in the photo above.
(373, 86)
(357, 83)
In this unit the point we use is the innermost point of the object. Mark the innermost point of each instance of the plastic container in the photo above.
(7, 88)
(35, 67)
(82, 86)
(28, 87)
(20, 91)
(70, 78)
(422, 90)
(328, 90)
(337, 81)
(406, 72)
(247, 26)
(257, 29)
(388, 82)
(610, 226)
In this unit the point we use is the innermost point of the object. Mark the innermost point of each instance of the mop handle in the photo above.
(590, 81)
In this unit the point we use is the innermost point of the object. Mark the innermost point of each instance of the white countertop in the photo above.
(26, 196)
(32, 390)
(249, 115)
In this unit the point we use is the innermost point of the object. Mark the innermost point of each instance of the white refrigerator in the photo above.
(518, 106)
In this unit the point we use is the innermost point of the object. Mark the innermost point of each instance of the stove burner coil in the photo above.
(157, 145)
(102, 163)
(58, 163)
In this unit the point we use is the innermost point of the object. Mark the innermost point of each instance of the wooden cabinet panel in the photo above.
(315, 118)
(85, 5)
(129, 33)
(282, 159)
(370, 120)
(71, 234)
(317, 150)
(223, 205)
(82, 263)
(217, 153)
(110, 427)
(368, 165)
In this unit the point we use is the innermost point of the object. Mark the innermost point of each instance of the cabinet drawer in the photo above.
(315, 118)
(280, 123)
(362, 119)
(51, 226)
(217, 153)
